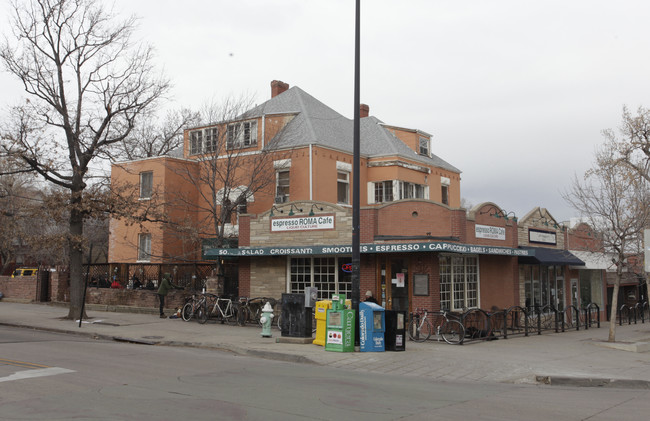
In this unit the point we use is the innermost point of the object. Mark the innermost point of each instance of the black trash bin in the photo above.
(295, 319)
(395, 335)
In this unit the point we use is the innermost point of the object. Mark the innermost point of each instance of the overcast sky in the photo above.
(515, 93)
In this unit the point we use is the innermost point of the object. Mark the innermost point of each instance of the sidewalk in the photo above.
(577, 357)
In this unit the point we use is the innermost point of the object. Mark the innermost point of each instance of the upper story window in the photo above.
(211, 139)
(282, 186)
(196, 142)
(424, 145)
(390, 190)
(343, 187)
(444, 182)
(144, 247)
(242, 135)
(411, 190)
(146, 184)
(384, 191)
(204, 141)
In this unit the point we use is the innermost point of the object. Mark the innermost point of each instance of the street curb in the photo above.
(269, 355)
(593, 382)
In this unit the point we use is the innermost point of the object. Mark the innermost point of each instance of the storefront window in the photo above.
(331, 275)
(459, 282)
(544, 286)
(591, 287)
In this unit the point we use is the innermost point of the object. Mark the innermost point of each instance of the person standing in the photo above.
(163, 290)
(370, 298)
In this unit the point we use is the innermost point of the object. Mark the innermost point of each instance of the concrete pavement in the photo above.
(580, 358)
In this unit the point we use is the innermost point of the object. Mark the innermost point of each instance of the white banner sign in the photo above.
(302, 223)
(489, 232)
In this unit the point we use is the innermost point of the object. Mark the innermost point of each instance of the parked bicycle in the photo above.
(192, 305)
(221, 308)
(420, 328)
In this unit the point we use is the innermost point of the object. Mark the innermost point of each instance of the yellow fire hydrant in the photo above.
(266, 320)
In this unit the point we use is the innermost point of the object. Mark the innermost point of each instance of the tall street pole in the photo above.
(356, 224)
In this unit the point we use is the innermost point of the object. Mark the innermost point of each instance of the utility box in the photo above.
(395, 335)
(295, 319)
(371, 327)
(340, 326)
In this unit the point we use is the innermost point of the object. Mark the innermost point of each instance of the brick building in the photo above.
(419, 247)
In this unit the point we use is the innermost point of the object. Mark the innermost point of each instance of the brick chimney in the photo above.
(277, 87)
(364, 110)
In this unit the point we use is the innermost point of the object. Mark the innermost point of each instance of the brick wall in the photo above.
(268, 276)
(21, 289)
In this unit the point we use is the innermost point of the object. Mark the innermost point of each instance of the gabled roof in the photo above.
(317, 124)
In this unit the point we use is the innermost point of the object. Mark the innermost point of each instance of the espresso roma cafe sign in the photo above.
(302, 223)
(367, 248)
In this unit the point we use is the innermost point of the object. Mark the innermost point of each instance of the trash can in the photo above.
(340, 326)
(371, 327)
(395, 334)
(295, 317)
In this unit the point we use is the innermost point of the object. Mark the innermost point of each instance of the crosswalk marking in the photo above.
(29, 374)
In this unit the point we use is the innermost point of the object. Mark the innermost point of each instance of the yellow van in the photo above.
(24, 272)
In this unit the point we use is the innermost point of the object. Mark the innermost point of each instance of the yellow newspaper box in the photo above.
(320, 314)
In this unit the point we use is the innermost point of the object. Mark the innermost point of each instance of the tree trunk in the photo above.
(75, 246)
(613, 310)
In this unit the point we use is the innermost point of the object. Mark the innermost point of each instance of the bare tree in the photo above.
(227, 171)
(87, 84)
(631, 148)
(157, 137)
(631, 145)
(614, 201)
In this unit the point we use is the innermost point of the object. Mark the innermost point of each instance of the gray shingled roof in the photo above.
(317, 124)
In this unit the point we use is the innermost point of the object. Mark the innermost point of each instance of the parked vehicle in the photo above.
(24, 272)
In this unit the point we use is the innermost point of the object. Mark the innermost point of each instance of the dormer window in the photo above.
(424, 145)
(242, 135)
(196, 142)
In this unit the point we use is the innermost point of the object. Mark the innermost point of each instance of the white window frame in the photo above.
(425, 146)
(146, 185)
(196, 142)
(282, 191)
(144, 247)
(211, 140)
(460, 283)
(317, 272)
(343, 187)
(241, 135)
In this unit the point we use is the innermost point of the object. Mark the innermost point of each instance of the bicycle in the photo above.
(420, 328)
(191, 306)
(221, 308)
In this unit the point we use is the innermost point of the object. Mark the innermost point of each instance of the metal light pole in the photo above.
(356, 224)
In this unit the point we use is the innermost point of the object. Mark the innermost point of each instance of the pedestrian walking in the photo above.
(370, 298)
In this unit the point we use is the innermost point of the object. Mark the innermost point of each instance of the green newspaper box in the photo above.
(340, 326)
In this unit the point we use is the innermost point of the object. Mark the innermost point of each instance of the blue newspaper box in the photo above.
(371, 327)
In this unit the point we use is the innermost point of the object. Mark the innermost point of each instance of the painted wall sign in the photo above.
(368, 248)
(303, 223)
(544, 237)
(490, 232)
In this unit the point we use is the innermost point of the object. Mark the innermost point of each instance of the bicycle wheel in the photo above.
(187, 313)
(453, 332)
(242, 315)
(202, 314)
(419, 330)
